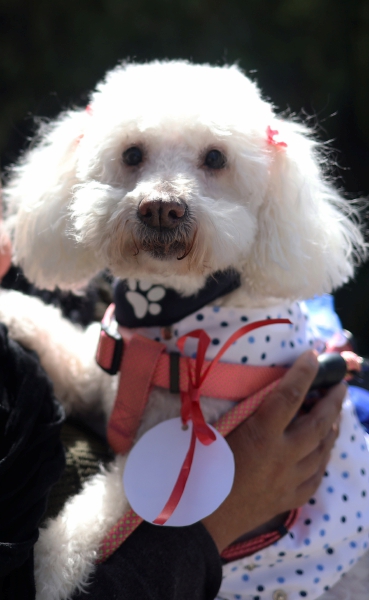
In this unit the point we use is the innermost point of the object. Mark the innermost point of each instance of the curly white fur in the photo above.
(269, 211)
(73, 209)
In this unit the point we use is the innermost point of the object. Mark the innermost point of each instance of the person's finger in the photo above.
(283, 403)
(308, 430)
(307, 489)
(311, 464)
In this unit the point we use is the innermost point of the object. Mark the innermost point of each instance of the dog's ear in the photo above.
(307, 242)
(37, 197)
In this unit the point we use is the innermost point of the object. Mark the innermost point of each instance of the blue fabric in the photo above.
(323, 316)
(326, 324)
(360, 399)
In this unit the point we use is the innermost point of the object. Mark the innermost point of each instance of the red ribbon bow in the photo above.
(191, 409)
(271, 133)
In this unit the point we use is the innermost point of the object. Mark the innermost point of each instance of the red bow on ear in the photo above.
(271, 133)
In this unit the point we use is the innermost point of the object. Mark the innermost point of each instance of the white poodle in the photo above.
(172, 173)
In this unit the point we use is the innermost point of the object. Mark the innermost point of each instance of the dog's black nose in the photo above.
(160, 213)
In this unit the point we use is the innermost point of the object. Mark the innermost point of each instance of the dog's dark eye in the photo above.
(132, 156)
(215, 159)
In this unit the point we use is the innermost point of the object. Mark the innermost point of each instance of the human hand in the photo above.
(280, 458)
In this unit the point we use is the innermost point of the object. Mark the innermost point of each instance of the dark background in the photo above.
(310, 56)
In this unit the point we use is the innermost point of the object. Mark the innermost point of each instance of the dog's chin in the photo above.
(177, 250)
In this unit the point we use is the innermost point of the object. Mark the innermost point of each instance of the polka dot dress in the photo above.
(332, 530)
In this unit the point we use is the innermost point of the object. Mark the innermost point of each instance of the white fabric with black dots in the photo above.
(332, 530)
(278, 344)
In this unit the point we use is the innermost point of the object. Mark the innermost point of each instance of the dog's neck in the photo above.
(141, 304)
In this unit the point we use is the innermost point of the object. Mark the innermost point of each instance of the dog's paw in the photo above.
(143, 297)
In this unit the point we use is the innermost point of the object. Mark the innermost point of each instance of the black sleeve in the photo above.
(159, 563)
(31, 460)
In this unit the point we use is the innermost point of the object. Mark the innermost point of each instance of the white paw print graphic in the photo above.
(148, 302)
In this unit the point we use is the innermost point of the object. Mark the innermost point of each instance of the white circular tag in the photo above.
(154, 464)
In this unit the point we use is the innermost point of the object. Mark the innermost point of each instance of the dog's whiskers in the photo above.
(137, 250)
(190, 247)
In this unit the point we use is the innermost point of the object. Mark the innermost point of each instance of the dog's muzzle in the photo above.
(165, 230)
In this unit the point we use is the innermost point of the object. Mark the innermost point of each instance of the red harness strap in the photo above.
(144, 363)
(136, 374)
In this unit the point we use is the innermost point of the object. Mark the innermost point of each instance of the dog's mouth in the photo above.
(164, 244)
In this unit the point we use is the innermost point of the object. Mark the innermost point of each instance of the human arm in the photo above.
(31, 461)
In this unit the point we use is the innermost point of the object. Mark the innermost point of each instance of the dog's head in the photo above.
(175, 171)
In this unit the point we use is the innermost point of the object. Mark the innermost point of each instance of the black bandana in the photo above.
(141, 305)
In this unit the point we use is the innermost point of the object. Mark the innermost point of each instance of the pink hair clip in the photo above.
(271, 133)
(89, 110)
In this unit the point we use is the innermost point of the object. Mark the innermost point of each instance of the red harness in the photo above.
(144, 363)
